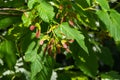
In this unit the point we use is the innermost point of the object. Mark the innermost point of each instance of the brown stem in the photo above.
(12, 9)
(7, 13)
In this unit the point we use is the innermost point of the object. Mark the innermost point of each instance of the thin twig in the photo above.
(7, 13)
(12, 9)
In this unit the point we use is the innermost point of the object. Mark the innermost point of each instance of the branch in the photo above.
(12, 9)
(6, 13)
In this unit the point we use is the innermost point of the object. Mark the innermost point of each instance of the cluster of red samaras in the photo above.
(32, 27)
(50, 47)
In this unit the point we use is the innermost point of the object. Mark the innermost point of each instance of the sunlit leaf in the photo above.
(45, 11)
(28, 17)
(115, 25)
(31, 3)
(40, 64)
(104, 4)
(36, 66)
(89, 2)
(71, 33)
(111, 22)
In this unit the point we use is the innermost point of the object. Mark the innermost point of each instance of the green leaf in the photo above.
(31, 53)
(104, 17)
(8, 50)
(36, 66)
(87, 63)
(26, 20)
(7, 21)
(2, 3)
(13, 3)
(112, 75)
(104, 4)
(90, 66)
(82, 3)
(71, 33)
(28, 38)
(111, 22)
(16, 3)
(71, 75)
(115, 25)
(41, 65)
(28, 17)
(45, 11)
(89, 2)
(32, 56)
(106, 56)
(46, 72)
(31, 3)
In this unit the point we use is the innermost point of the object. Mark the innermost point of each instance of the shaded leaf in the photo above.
(7, 21)
(87, 63)
(12, 3)
(8, 51)
(112, 75)
(106, 56)
(82, 3)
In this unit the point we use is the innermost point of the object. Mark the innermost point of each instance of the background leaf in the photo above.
(106, 56)
(112, 75)
(8, 50)
(85, 61)
(7, 21)
(89, 2)
(13, 3)
(82, 3)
